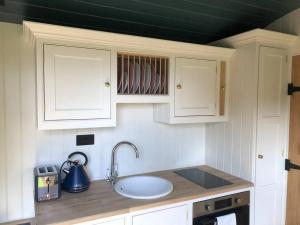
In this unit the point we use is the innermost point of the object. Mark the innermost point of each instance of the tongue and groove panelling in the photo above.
(183, 20)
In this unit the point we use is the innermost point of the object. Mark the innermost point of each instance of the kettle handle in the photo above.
(79, 153)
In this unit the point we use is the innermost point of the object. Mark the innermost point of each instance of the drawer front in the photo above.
(119, 221)
(171, 216)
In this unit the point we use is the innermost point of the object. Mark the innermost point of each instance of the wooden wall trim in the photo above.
(222, 88)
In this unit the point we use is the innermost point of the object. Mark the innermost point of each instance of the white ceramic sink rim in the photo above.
(143, 187)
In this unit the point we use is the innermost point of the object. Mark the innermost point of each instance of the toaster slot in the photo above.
(42, 170)
(50, 169)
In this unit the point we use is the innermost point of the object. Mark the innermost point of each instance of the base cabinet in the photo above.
(168, 215)
(120, 220)
(114, 222)
(171, 216)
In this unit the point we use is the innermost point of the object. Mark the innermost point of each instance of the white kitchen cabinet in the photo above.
(271, 134)
(199, 92)
(258, 125)
(76, 82)
(73, 86)
(78, 79)
(196, 87)
(106, 221)
(171, 216)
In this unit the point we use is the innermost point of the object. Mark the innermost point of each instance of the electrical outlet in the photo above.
(86, 139)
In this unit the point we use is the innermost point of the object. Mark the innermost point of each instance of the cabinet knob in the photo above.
(238, 201)
(107, 84)
(208, 207)
(260, 156)
(179, 86)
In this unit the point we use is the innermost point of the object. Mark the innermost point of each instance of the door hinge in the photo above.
(289, 165)
(292, 89)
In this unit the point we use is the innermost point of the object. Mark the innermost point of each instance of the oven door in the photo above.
(242, 216)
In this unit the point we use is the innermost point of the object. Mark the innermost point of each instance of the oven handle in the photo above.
(209, 222)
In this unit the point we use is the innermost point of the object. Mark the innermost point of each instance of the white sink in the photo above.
(143, 187)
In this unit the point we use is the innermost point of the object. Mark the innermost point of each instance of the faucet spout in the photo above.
(113, 168)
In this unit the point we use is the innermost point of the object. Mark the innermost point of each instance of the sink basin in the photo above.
(143, 187)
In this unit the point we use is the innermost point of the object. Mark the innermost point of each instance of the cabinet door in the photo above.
(271, 135)
(195, 87)
(76, 83)
(115, 222)
(120, 221)
(172, 216)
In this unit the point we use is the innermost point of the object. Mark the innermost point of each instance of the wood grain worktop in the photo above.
(101, 201)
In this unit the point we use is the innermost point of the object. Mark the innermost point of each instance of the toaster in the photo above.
(47, 183)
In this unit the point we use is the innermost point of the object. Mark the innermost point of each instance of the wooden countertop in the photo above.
(101, 201)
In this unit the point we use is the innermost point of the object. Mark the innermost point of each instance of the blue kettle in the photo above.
(76, 178)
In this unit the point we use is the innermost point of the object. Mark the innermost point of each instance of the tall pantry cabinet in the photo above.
(253, 143)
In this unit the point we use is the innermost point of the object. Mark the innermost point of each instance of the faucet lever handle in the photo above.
(108, 174)
(115, 172)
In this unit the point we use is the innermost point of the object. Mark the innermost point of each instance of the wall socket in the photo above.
(86, 139)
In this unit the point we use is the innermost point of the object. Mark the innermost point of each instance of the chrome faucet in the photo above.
(113, 173)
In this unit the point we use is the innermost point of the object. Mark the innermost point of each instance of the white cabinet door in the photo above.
(76, 83)
(267, 205)
(172, 216)
(195, 87)
(271, 136)
(120, 221)
(115, 222)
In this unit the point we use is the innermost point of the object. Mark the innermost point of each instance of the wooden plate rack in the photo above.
(142, 75)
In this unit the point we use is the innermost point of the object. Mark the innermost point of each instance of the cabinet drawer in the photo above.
(171, 216)
(119, 221)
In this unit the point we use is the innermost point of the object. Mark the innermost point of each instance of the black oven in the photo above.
(206, 212)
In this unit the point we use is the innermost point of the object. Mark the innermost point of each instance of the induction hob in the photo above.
(202, 178)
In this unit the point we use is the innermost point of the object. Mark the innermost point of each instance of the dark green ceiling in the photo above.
(198, 21)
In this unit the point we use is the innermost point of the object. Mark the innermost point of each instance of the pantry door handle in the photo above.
(179, 86)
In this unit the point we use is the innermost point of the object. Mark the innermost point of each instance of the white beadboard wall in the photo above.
(161, 146)
(289, 24)
(17, 125)
(22, 146)
(229, 146)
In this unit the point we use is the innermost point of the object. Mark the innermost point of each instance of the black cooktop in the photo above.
(202, 178)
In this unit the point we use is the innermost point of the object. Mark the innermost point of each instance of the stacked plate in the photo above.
(142, 75)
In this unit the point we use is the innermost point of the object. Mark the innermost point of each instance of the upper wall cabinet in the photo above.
(196, 87)
(200, 90)
(76, 83)
(74, 87)
(83, 74)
